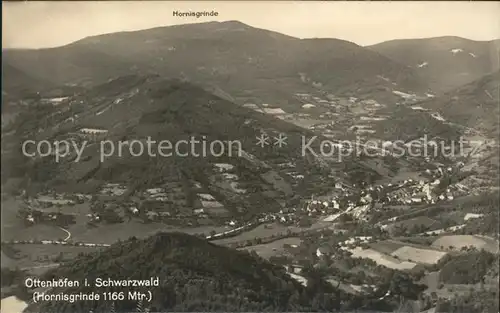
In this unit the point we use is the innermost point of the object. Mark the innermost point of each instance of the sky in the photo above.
(52, 24)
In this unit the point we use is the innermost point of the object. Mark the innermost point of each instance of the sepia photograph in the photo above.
(250, 156)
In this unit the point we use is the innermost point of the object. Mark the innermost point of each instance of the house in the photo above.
(427, 191)
(336, 205)
(436, 182)
(296, 269)
(274, 111)
(93, 131)
(152, 215)
(324, 251)
(367, 199)
(93, 217)
(416, 200)
(469, 216)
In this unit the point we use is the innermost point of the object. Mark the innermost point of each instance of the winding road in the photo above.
(67, 232)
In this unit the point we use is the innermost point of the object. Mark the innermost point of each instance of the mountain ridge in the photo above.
(458, 38)
(242, 60)
(474, 104)
(446, 62)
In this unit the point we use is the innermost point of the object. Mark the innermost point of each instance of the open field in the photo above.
(80, 208)
(417, 241)
(111, 233)
(274, 179)
(382, 259)
(304, 122)
(390, 245)
(11, 224)
(396, 207)
(416, 222)
(400, 176)
(386, 246)
(14, 228)
(265, 230)
(423, 256)
(37, 255)
(274, 248)
(34, 232)
(7, 261)
(431, 280)
(268, 230)
(450, 291)
(450, 229)
(459, 241)
(348, 288)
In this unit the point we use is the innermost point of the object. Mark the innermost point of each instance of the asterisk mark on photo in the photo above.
(280, 141)
(262, 140)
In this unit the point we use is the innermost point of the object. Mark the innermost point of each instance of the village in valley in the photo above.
(404, 225)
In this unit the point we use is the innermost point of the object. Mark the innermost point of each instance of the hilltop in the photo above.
(231, 58)
(444, 62)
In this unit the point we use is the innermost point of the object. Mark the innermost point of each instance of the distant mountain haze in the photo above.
(444, 62)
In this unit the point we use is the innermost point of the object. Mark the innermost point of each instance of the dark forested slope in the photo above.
(194, 275)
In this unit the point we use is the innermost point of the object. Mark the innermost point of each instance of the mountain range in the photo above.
(231, 58)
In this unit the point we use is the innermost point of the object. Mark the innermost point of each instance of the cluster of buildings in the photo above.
(47, 208)
(407, 192)
(34, 215)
